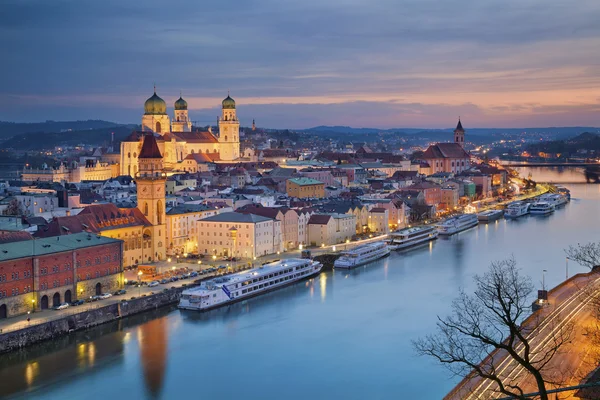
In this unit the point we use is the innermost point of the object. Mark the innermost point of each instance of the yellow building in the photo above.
(182, 230)
(303, 188)
(176, 139)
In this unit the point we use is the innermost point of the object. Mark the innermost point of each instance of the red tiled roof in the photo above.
(14, 236)
(445, 150)
(68, 225)
(150, 148)
(196, 137)
(109, 216)
(203, 157)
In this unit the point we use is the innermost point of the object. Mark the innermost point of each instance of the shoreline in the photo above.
(30, 335)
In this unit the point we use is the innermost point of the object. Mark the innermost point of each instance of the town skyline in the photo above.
(297, 66)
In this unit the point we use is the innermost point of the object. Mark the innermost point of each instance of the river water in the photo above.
(341, 335)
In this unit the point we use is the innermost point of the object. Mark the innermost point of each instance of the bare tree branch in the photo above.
(486, 326)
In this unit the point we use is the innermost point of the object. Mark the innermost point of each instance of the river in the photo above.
(341, 335)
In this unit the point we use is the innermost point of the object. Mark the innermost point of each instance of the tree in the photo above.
(487, 325)
(587, 255)
(14, 208)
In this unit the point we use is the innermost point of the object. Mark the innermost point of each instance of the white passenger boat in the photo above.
(407, 237)
(242, 285)
(361, 255)
(541, 208)
(453, 225)
(516, 209)
(555, 199)
(489, 215)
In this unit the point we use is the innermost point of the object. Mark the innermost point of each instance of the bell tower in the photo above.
(229, 131)
(150, 182)
(459, 134)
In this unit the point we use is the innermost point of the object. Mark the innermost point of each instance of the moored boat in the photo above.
(362, 255)
(489, 215)
(407, 237)
(239, 286)
(541, 208)
(456, 224)
(516, 209)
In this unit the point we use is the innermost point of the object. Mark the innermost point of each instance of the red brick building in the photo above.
(42, 273)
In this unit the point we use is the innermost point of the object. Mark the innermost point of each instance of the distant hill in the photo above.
(10, 129)
(47, 141)
(559, 132)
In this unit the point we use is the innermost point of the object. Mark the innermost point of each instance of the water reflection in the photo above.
(66, 359)
(152, 339)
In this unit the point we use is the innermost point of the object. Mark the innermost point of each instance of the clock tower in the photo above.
(150, 182)
(229, 131)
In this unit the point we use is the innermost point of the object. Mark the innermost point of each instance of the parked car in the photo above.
(174, 279)
(77, 302)
(120, 292)
(153, 284)
(163, 281)
(92, 298)
(222, 267)
(193, 274)
(62, 306)
(186, 275)
(104, 296)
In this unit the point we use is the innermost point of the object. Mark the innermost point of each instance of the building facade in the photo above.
(239, 235)
(303, 188)
(43, 273)
(177, 139)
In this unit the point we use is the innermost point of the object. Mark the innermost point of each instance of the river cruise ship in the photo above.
(362, 255)
(489, 215)
(541, 208)
(555, 199)
(516, 209)
(453, 225)
(242, 285)
(409, 237)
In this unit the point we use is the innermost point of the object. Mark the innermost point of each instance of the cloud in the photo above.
(497, 55)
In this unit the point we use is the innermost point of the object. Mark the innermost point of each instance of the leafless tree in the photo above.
(587, 255)
(488, 325)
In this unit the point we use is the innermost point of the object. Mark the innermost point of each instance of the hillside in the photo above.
(9, 129)
(47, 141)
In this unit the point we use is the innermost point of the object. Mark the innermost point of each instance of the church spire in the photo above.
(459, 134)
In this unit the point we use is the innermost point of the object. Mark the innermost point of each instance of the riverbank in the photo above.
(37, 333)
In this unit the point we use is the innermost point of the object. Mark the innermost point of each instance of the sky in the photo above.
(297, 64)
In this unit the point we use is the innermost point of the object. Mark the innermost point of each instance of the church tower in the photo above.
(459, 134)
(181, 121)
(229, 131)
(155, 117)
(150, 182)
(253, 126)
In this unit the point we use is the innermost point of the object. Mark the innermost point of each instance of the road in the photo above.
(568, 303)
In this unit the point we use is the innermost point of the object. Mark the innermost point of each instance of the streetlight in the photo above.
(140, 273)
(544, 279)
(185, 255)
(567, 268)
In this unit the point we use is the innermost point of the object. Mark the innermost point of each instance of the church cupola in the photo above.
(229, 131)
(155, 118)
(181, 121)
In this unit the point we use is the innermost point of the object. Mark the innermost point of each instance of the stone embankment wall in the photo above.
(86, 319)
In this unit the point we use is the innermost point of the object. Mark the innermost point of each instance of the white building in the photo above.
(239, 235)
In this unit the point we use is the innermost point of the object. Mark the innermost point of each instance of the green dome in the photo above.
(228, 103)
(155, 105)
(181, 104)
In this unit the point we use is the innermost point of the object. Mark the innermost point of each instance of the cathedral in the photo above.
(177, 139)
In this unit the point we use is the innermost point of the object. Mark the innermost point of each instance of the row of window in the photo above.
(274, 282)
